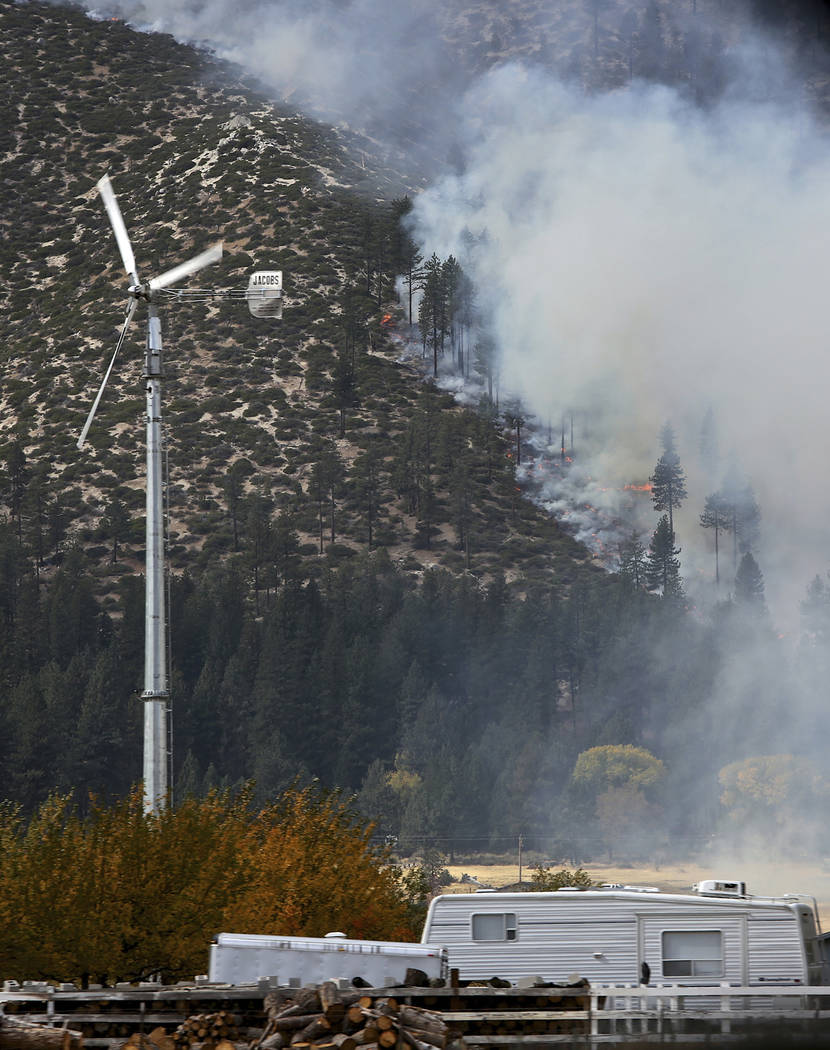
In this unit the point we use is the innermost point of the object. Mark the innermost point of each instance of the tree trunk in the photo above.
(21, 1035)
(318, 1027)
(331, 1002)
(414, 1017)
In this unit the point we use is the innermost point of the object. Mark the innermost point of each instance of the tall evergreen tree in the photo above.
(234, 490)
(365, 482)
(716, 517)
(743, 513)
(633, 562)
(668, 482)
(115, 523)
(257, 537)
(17, 472)
(749, 584)
(284, 548)
(663, 566)
(451, 278)
(432, 312)
(486, 364)
(406, 259)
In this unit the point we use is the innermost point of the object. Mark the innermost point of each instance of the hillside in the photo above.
(361, 593)
(195, 156)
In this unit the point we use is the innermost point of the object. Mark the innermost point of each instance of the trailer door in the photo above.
(694, 949)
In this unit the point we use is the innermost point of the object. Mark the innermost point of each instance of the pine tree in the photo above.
(352, 335)
(716, 516)
(18, 476)
(451, 279)
(284, 549)
(327, 477)
(257, 536)
(365, 481)
(749, 584)
(486, 364)
(34, 513)
(743, 513)
(633, 561)
(405, 259)
(668, 482)
(663, 566)
(432, 311)
(815, 613)
(516, 420)
(234, 489)
(115, 523)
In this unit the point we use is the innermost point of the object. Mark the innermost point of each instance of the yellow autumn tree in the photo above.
(115, 894)
(313, 870)
(776, 798)
(616, 780)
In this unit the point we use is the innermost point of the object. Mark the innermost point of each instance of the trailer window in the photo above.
(500, 926)
(693, 953)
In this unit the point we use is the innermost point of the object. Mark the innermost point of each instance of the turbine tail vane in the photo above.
(118, 226)
(127, 318)
(198, 262)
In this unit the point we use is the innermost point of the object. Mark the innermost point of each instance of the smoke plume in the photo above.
(642, 259)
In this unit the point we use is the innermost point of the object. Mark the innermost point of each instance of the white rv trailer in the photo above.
(244, 958)
(715, 934)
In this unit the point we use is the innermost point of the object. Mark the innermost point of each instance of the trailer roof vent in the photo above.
(719, 888)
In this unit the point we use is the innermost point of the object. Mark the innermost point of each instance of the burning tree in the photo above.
(668, 482)
(663, 566)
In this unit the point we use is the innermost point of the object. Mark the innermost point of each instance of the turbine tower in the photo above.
(264, 298)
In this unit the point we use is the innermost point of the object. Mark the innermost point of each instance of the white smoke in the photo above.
(374, 67)
(642, 259)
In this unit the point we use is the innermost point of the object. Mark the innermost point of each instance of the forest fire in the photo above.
(637, 488)
(386, 321)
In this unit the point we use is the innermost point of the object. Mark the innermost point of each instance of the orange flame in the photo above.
(385, 319)
(637, 488)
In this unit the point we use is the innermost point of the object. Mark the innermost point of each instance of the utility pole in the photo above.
(521, 843)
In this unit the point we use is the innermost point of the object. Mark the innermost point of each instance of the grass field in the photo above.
(761, 877)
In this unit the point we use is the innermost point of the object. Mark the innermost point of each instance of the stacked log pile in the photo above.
(216, 1031)
(16, 1034)
(484, 1011)
(326, 1017)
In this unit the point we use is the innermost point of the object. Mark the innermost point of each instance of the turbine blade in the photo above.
(127, 318)
(198, 262)
(118, 227)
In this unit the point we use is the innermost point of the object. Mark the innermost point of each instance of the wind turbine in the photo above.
(264, 298)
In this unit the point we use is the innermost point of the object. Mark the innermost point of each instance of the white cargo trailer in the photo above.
(715, 934)
(239, 958)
